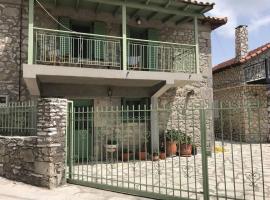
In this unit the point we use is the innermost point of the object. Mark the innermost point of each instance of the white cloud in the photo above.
(241, 12)
(257, 23)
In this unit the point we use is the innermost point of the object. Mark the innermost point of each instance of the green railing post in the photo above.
(70, 128)
(197, 53)
(204, 155)
(124, 35)
(31, 32)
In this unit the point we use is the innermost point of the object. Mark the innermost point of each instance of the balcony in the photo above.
(257, 72)
(65, 48)
(89, 64)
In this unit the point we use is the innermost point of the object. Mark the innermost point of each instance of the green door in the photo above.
(152, 51)
(65, 41)
(99, 43)
(83, 130)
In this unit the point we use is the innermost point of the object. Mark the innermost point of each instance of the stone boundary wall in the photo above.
(38, 160)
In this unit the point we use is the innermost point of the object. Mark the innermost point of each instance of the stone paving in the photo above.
(235, 173)
(11, 190)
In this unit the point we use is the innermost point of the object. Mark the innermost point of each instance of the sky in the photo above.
(254, 13)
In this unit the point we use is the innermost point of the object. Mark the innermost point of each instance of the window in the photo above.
(3, 99)
(135, 109)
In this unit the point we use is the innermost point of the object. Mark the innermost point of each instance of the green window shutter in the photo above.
(100, 29)
(65, 40)
(152, 34)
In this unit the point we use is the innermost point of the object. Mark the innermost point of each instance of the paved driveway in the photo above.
(10, 190)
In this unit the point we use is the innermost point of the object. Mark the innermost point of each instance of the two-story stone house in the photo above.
(243, 82)
(100, 53)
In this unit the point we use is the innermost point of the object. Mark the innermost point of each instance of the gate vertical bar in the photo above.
(204, 155)
(70, 137)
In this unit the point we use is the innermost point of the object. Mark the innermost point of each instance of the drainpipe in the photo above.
(154, 116)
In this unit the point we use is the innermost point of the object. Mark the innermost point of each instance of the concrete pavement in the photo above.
(11, 190)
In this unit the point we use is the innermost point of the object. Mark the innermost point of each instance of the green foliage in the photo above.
(178, 136)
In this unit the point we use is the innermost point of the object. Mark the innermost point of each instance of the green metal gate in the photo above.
(192, 160)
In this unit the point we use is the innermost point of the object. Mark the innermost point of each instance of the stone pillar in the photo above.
(51, 128)
(241, 42)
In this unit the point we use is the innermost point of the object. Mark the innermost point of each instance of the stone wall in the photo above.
(38, 160)
(230, 88)
(13, 49)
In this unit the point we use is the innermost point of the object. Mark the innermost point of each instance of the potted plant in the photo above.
(111, 145)
(162, 154)
(185, 145)
(126, 154)
(155, 156)
(141, 154)
(172, 138)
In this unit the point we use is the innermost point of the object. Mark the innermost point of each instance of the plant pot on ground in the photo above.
(185, 145)
(111, 146)
(155, 156)
(141, 154)
(162, 155)
(127, 154)
(172, 138)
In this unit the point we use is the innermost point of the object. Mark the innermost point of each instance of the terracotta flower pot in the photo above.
(171, 148)
(126, 156)
(141, 155)
(185, 150)
(162, 155)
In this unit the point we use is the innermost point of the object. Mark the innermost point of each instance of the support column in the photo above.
(51, 130)
(154, 116)
(124, 36)
(196, 35)
(31, 32)
(154, 124)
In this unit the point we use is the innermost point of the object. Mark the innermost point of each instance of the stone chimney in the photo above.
(241, 42)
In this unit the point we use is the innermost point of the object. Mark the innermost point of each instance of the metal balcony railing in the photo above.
(79, 49)
(161, 56)
(54, 47)
(255, 72)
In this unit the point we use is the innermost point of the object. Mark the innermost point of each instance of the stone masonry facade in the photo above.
(38, 160)
(241, 42)
(13, 49)
(230, 88)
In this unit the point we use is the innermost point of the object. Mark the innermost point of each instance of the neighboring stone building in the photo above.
(243, 81)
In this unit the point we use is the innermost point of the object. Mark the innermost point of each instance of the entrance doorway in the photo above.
(83, 129)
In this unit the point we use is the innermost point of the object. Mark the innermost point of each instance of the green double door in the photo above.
(83, 132)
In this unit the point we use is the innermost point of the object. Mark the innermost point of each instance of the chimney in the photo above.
(241, 42)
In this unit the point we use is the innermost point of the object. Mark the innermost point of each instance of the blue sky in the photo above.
(254, 13)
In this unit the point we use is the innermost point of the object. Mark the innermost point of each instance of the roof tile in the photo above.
(233, 62)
